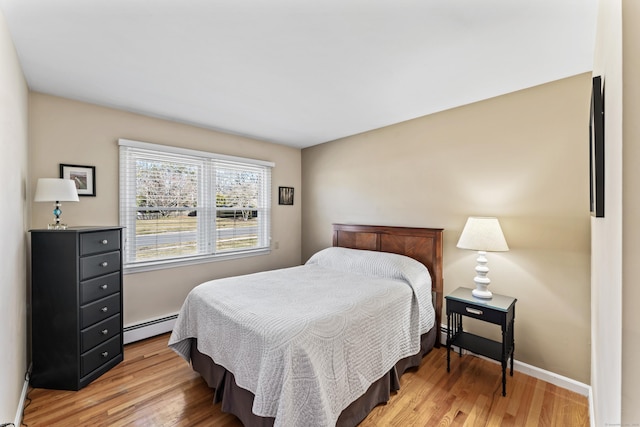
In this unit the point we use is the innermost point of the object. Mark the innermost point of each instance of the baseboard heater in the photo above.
(148, 329)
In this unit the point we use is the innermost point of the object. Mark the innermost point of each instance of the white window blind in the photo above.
(181, 205)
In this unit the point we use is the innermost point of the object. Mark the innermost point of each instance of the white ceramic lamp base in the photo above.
(481, 280)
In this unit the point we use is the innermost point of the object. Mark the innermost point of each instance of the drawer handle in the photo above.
(104, 242)
(103, 287)
(104, 354)
(474, 311)
(104, 309)
(104, 331)
(104, 264)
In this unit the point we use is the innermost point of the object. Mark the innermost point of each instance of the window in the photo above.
(183, 206)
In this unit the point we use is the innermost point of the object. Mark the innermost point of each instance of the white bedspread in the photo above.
(307, 341)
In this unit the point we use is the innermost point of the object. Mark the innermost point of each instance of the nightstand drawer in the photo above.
(476, 311)
(98, 265)
(100, 241)
(99, 333)
(99, 310)
(99, 356)
(100, 287)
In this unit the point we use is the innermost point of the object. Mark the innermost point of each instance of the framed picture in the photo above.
(285, 195)
(596, 149)
(83, 176)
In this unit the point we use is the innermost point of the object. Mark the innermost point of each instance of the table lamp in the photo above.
(483, 235)
(56, 190)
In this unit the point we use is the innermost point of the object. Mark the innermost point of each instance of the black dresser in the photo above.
(76, 305)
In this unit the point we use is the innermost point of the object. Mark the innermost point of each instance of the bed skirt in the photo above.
(239, 401)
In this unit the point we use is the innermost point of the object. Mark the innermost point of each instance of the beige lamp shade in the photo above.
(483, 234)
(56, 190)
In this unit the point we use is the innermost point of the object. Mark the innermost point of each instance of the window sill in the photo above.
(173, 263)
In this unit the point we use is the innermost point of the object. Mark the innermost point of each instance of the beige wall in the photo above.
(522, 157)
(13, 226)
(607, 232)
(631, 214)
(71, 132)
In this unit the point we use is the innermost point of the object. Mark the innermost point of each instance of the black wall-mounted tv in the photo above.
(596, 148)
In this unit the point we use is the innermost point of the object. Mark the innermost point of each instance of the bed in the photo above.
(319, 344)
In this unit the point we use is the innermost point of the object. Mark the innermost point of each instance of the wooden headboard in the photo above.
(422, 244)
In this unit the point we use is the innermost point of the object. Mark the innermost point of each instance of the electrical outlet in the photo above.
(276, 245)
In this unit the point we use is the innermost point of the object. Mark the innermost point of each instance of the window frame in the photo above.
(127, 146)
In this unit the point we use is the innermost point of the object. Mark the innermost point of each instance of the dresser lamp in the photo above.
(56, 190)
(482, 235)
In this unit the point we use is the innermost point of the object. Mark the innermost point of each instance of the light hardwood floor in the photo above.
(155, 387)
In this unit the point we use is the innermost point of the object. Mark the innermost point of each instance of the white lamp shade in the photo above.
(56, 190)
(483, 234)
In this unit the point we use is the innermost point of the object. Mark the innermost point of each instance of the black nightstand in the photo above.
(499, 310)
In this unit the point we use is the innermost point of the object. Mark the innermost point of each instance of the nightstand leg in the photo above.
(459, 329)
(505, 355)
(513, 345)
(511, 373)
(448, 342)
(504, 378)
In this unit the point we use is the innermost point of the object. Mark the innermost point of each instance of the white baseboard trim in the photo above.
(541, 374)
(17, 421)
(148, 329)
(553, 378)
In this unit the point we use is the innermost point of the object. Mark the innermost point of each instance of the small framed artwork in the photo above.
(83, 176)
(596, 148)
(285, 195)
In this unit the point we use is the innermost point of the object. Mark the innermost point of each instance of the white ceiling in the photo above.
(297, 72)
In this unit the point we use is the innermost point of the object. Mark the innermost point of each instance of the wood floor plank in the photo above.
(155, 387)
(534, 419)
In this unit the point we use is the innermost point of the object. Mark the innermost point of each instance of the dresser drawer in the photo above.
(99, 333)
(100, 287)
(476, 311)
(98, 265)
(99, 310)
(99, 241)
(100, 355)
